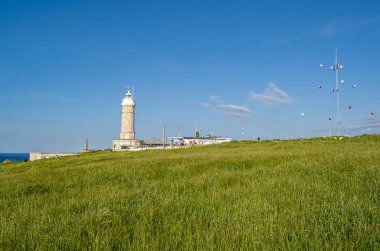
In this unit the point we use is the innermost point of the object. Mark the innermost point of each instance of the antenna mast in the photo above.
(336, 68)
(337, 92)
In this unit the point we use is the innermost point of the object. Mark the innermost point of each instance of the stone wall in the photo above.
(40, 155)
(124, 144)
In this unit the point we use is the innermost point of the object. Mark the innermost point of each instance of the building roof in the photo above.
(152, 141)
(207, 137)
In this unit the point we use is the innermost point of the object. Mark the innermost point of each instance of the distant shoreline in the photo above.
(14, 156)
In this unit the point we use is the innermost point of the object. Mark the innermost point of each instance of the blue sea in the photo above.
(14, 156)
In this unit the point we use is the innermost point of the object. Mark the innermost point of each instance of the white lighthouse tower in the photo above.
(127, 131)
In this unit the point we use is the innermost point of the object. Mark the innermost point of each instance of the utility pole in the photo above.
(86, 144)
(329, 127)
(163, 137)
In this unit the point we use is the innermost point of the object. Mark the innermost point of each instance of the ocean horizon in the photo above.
(15, 157)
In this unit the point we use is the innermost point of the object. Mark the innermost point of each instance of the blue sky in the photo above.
(241, 69)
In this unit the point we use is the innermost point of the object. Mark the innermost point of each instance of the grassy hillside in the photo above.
(301, 194)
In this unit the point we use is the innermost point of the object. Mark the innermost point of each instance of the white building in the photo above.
(39, 155)
(127, 130)
(197, 141)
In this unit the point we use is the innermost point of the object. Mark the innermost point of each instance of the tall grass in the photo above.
(300, 194)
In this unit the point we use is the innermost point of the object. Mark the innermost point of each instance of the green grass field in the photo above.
(289, 195)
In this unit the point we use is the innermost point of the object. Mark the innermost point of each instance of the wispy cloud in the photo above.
(234, 111)
(214, 98)
(206, 105)
(327, 30)
(237, 115)
(363, 22)
(235, 108)
(343, 25)
(363, 125)
(332, 28)
(229, 110)
(46, 96)
(369, 125)
(272, 95)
